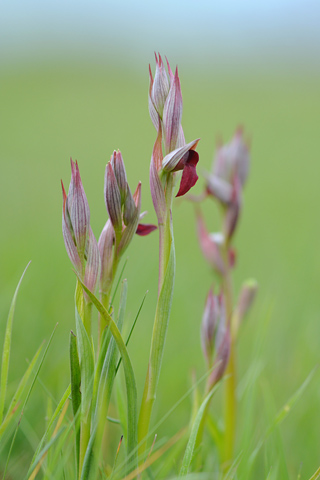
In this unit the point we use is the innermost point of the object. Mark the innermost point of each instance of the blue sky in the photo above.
(220, 31)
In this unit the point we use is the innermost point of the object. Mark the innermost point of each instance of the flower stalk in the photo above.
(225, 184)
(165, 107)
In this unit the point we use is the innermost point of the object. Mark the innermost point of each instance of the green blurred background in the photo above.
(74, 82)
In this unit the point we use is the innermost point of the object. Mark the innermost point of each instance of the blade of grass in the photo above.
(186, 462)
(316, 475)
(129, 375)
(75, 374)
(59, 407)
(35, 467)
(90, 464)
(119, 280)
(132, 327)
(26, 400)
(6, 348)
(155, 456)
(18, 394)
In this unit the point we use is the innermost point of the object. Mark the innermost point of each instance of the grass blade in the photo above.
(18, 393)
(27, 398)
(133, 325)
(75, 389)
(129, 376)
(6, 349)
(59, 407)
(186, 462)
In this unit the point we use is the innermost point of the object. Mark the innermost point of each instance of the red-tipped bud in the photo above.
(160, 87)
(78, 237)
(129, 209)
(172, 114)
(113, 199)
(131, 228)
(120, 174)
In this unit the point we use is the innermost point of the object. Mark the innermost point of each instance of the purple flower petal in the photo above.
(189, 174)
(144, 229)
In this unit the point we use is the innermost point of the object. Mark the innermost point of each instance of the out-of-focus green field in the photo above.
(49, 113)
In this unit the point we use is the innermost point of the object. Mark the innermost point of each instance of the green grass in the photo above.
(50, 113)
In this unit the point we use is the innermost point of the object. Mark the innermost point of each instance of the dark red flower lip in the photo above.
(189, 175)
(144, 229)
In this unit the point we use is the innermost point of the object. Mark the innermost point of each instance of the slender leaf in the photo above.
(186, 462)
(133, 325)
(86, 364)
(103, 398)
(60, 405)
(316, 475)
(27, 399)
(75, 389)
(6, 349)
(129, 375)
(18, 394)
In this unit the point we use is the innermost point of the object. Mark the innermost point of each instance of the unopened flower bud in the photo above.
(215, 336)
(113, 199)
(160, 86)
(78, 237)
(172, 114)
(245, 301)
(233, 209)
(233, 159)
(129, 209)
(120, 173)
(105, 244)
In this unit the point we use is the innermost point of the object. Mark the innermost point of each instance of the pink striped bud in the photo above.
(160, 86)
(172, 114)
(105, 244)
(215, 336)
(230, 172)
(78, 237)
(246, 298)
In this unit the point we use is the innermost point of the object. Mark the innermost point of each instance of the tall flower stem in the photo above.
(230, 380)
(165, 292)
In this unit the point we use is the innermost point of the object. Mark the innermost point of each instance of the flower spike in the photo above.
(78, 237)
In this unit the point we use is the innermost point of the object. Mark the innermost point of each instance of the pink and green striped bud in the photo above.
(105, 244)
(112, 198)
(165, 104)
(215, 336)
(120, 174)
(123, 209)
(230, 172)
(172, 114)
(160, 86)
(233, 159)
(78, 237)
(246, 298)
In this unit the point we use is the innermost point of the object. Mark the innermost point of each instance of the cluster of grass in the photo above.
(52, 112)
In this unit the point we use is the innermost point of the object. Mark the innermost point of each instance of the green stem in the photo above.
(105, 297)
(165, 292)
(230, 381)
